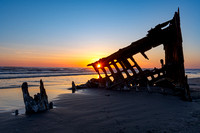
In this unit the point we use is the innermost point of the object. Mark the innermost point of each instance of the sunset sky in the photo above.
(74, 33)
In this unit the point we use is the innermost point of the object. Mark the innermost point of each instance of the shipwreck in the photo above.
(119, 73)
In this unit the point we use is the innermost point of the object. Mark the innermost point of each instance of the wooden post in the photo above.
(38, 103)
(73, 87)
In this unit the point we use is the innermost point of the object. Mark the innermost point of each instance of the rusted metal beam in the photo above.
(128, 65)
(118, 70)
(104, 70)
(136, 64)
(124, 68)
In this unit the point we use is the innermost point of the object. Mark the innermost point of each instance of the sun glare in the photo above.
(98, 65)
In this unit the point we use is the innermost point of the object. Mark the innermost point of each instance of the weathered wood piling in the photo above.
(40, 101)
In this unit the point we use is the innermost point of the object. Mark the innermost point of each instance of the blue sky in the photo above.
(78, 29)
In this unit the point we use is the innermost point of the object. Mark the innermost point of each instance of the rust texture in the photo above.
(119, 72)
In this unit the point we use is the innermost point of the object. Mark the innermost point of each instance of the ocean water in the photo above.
(12, 77)
(56, 82)
(193, 73)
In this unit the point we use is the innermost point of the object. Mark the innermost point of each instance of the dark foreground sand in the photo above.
(103, 111)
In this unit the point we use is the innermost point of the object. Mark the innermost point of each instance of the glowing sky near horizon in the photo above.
(74, 33)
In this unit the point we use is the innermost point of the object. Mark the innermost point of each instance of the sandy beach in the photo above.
(105, 111)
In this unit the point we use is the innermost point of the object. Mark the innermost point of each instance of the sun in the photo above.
(98, 65)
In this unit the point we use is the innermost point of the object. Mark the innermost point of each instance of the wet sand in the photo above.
(103, 111)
